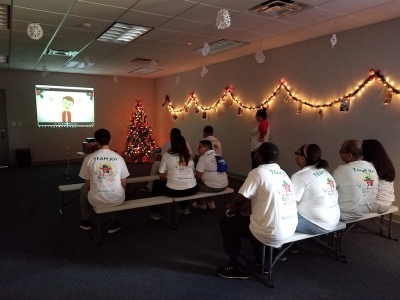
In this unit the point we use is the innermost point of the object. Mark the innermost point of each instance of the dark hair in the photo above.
(269, 151)
(206, 143)
(262, 113)
(208, 129)
(376, 154)
(102, 136)
(354, 147)
(69, 98)
(175, 131)
(178, 146)
(312, 154)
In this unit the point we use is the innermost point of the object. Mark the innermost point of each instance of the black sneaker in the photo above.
(114, 227)
(293, 249)
(231, 272)
(85, 225)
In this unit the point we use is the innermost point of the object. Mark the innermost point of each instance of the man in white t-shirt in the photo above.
(164, 149)
(273, 215)
(207, 175)
(105, 173)
(208, 134)
(356, 182)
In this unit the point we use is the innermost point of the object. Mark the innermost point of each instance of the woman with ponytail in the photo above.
(315, 192)
(259, 134)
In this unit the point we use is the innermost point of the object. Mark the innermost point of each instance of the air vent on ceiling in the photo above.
(278, 8)
(4, 16)
(141, 60)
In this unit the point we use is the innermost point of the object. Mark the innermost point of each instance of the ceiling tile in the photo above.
(169, 8)
(96, 11)
(135, 17)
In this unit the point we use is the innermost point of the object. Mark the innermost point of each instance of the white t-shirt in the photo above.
(255, 135)
(385, 194)
(208, 165)
(217, 146)
(357, 186)
(105, 169)
(180, 174)
(315, 191)
(273, 205)
(167, 146)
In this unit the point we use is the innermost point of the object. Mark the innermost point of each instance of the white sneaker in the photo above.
(155, 217)
(211, 205)
(199, 206)
(186, 211)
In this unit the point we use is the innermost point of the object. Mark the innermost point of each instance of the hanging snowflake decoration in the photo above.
(333, 41)
(260, 57)
(204, 71)
(115, 78)
(223, 19)
(177, 80)
(35, 31)
(153, 65)
(206, 49)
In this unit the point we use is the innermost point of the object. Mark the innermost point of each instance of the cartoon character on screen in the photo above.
(67, 103)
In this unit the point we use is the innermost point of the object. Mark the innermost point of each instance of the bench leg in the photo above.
(270, 264)
(389, 229)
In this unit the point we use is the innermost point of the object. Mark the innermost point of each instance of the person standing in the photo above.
(356, 182)
(105, 173)
(208, 134)
(273, 215)
(259, 134)
(375, 153)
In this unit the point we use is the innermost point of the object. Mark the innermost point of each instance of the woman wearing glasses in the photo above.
(315, 191)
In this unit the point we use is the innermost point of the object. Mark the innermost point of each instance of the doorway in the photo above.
(4, 151)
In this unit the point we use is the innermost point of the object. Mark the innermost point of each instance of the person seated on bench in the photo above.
(207, 175)
(375, 153)
(105, 173)
(273, 212)
(208, 134)
(164, 149)
(315, 191)
(356, 182)
(179, 166)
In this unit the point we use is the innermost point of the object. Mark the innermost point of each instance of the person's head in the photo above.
(351, 150)
(67, 102)
(102, 137)
(204, 146)
(207, 131)
(310, 154)
(178, 146)
(261, 114)
(174, 131)
(375, 153)
(267, 153)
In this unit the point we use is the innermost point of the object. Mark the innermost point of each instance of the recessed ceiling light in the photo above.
(3, 59)
(220, 46)
(145, 70)
(123, 33)
(78, 65)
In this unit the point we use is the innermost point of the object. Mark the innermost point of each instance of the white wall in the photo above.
(113, 108)
(317, 74)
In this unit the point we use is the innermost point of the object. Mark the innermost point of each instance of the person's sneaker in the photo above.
(155, 217)
(231, 272)
(145, 189)
(85, 225)
(293, 249)
(114, 227)
(199, 206)
(211, 205)
(186, 211)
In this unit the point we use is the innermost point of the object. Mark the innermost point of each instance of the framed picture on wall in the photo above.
(344, 105)
(204, 115)
(240, 111)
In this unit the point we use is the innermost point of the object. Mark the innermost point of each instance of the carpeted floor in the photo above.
(46, 256)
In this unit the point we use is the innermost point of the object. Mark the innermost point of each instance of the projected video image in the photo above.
(61, 106)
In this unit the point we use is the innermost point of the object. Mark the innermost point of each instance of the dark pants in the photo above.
(253, 164)
(233, 229)
(160, 188)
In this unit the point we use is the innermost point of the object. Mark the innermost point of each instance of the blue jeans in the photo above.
(305, 226)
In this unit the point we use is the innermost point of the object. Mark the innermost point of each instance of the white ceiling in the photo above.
(176, 23)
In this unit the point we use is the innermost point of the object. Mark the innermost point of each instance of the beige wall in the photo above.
(316, 73)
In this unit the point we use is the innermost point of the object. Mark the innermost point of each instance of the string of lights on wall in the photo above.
(198, 107)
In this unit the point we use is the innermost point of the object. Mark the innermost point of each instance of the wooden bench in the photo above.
(373, 215)
(77, 186)
(333, 246)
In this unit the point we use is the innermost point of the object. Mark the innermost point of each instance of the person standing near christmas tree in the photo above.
(105, 173)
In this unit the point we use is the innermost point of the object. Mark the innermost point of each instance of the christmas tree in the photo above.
(139, 140)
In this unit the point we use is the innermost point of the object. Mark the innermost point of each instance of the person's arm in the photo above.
(236, 205)
(162, 176)
(199, 175)
(262, 128)
(87, 183)
(123, 183)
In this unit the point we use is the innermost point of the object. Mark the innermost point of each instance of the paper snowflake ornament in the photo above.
(260, 57)
(34, 31)
(206, 49)
(333, 41)
(115, 78)
(177, 80)
(204, 71)
(153, 65)
(223, 19)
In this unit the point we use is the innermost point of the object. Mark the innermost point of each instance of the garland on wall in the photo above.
(343, 100)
